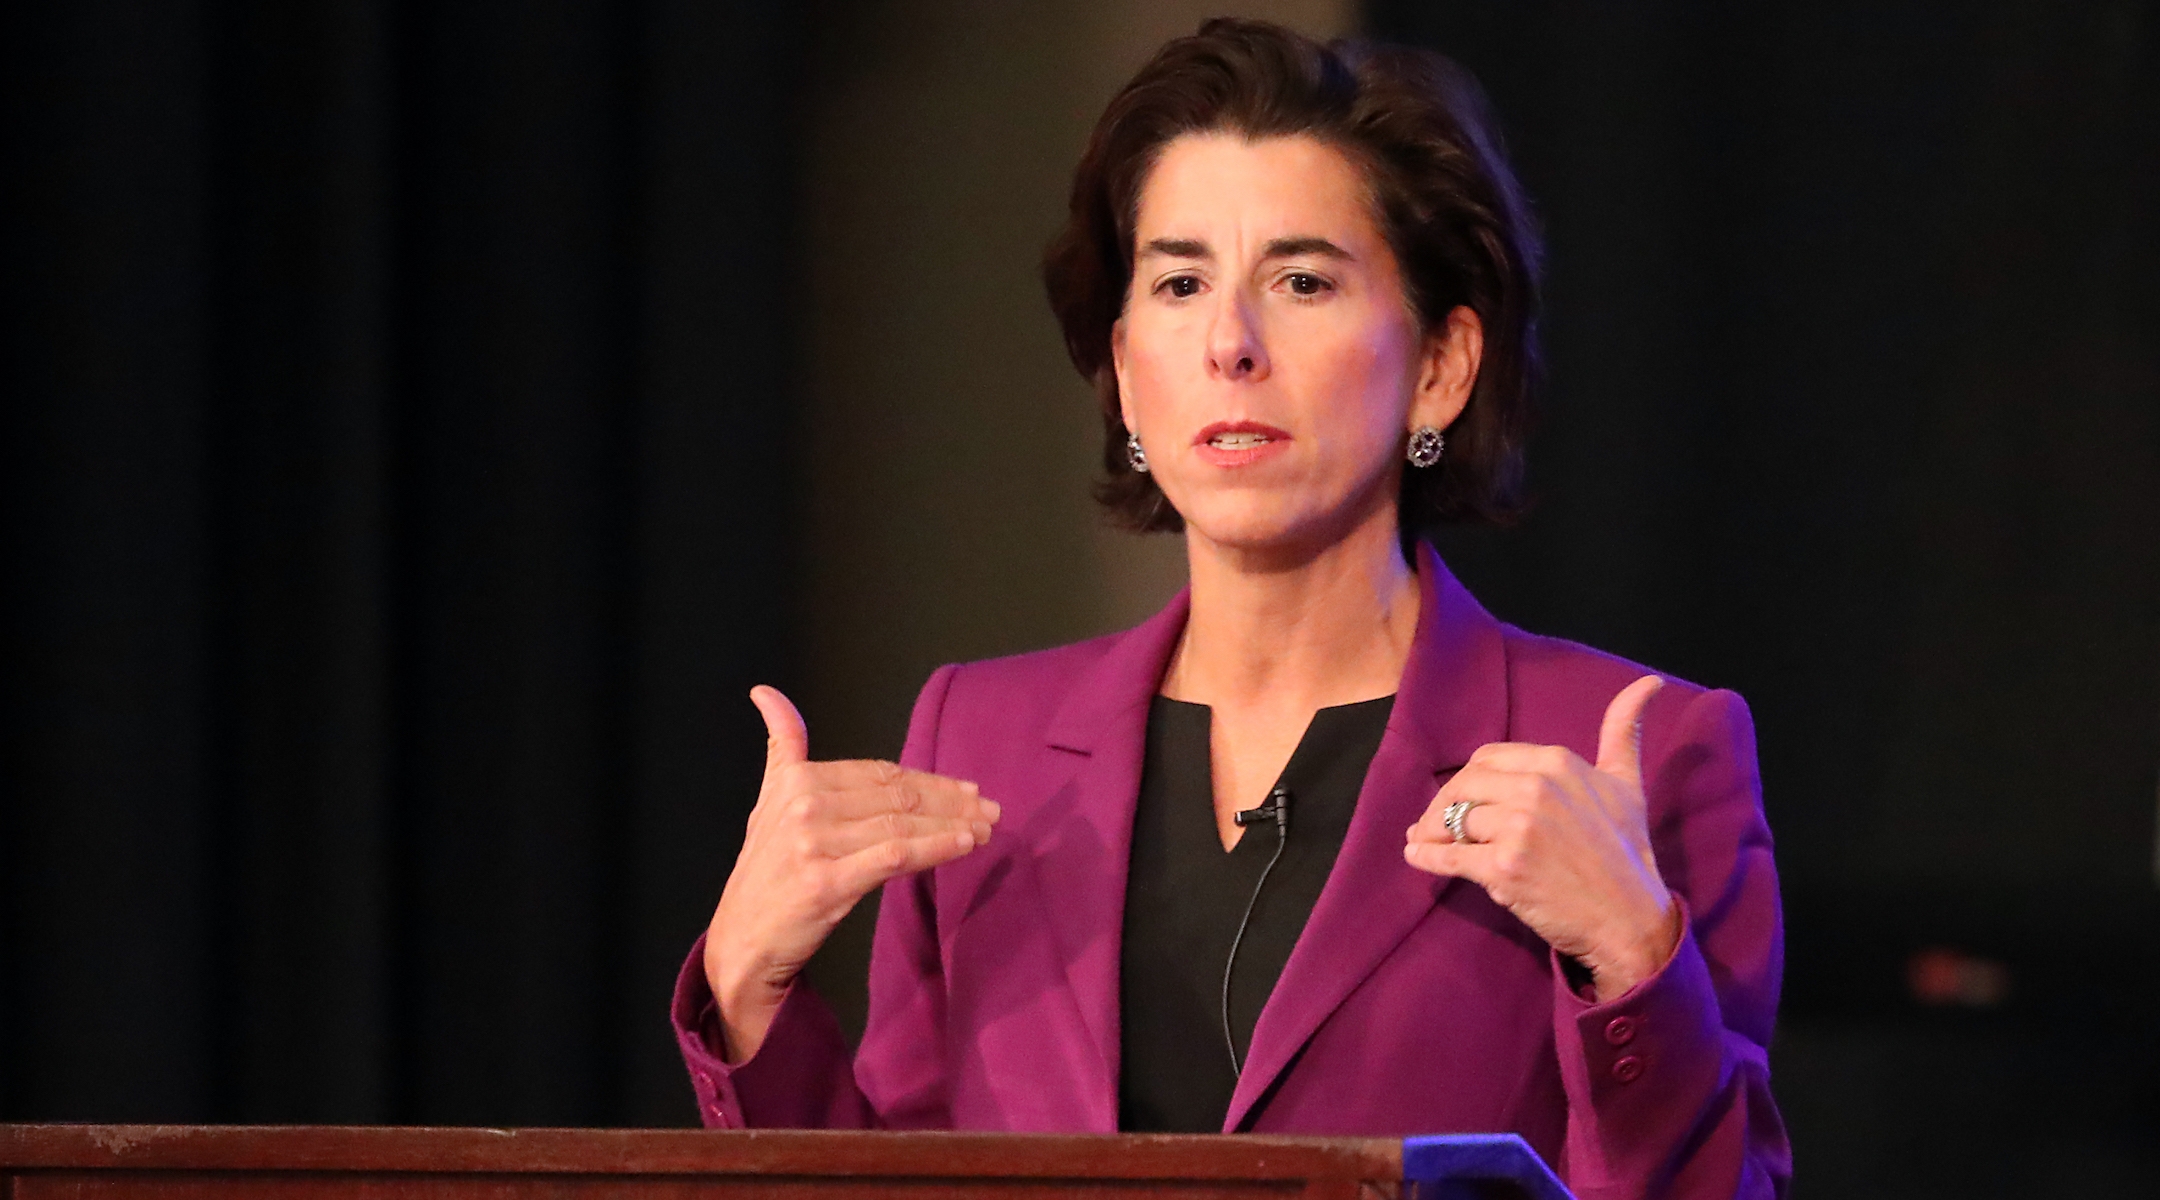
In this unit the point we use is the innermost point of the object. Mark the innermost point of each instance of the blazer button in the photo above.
(1620, 1030)
(705, 1080)
(1627, 1068)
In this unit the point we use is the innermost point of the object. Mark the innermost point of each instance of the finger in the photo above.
(871, 773)
(1493, 790)
(1465, 862)
(1526, 758)
(1499, 749)
(873, 865)
(1620, 737)
(1479, 826)
(848, 837)
(787, 739)
(865, 789)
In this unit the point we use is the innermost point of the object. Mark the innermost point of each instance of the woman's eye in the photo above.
(1182, 286)
(1307, 285)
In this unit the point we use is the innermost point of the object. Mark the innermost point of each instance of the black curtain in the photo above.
(395, 441)
(1856, 409)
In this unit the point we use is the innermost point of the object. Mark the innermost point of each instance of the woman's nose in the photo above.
(1234, 346)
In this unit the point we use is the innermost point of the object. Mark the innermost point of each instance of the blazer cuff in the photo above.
(802, 1076)
(698, 1033)
(1636, 1063)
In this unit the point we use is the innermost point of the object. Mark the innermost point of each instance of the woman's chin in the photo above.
(1266, 530)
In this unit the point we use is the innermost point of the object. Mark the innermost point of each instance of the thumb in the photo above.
(1619, 743)
(787, 739)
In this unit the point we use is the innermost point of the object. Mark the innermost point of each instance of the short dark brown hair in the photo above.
(1418, 127)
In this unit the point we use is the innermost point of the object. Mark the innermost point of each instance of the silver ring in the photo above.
(1452, 817)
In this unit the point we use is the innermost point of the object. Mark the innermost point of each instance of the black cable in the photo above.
(1277, 809)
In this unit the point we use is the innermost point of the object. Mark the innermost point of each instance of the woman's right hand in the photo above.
(822, 836)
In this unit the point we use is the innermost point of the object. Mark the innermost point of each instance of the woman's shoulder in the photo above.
(1558, 691)
(1033, 679)
(1556, 668)
(1010, 700)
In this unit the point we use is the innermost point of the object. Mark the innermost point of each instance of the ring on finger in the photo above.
(1453, 817)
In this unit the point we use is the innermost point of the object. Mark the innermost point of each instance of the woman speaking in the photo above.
(1322, 847)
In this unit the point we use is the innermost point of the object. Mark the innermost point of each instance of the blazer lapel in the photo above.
(1452, 699)
(1095, 744)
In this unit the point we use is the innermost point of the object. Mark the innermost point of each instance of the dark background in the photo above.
(400, 426)
(392, 512)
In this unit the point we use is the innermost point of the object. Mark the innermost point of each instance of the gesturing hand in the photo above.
(821, 837)
(1563, 845)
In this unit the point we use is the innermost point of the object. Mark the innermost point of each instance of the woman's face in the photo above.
(1268, 358)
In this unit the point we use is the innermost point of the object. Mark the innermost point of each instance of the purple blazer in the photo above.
(1411, 1004)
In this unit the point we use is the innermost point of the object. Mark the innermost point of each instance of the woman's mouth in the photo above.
(1239, 443)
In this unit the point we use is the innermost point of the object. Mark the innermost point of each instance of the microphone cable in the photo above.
(1277, 809)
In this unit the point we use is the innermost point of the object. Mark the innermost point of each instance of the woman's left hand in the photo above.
(1564, 845)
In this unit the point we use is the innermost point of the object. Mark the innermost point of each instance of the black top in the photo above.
(1185, 897)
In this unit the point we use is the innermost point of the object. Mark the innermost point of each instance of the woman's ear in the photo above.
(1448, 369)
(1117, 368)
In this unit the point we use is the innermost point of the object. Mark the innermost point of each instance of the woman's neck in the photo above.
(1297, 631)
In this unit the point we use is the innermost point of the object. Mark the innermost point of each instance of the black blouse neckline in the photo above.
(1328, 721)
(1185, 896)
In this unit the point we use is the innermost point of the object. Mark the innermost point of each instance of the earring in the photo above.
(1134, 454)
(1425, 446)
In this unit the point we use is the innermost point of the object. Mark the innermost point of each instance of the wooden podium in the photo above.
(124, 1162)
(95, 1162)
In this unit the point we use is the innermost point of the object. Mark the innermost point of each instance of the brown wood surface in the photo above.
(124, 1162)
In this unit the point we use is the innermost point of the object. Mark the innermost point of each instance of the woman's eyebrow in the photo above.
(1287, 247)
(1177, 248)
(1306, 247)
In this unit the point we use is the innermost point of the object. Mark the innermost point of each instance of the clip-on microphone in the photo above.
(1277, 809)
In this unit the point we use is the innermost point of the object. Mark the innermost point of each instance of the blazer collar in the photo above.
(1095, 743)
(1456, 671)
(1452, 699)
(1125, 678)
(1453, 696)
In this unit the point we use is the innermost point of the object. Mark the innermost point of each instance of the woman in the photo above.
(1322, 847)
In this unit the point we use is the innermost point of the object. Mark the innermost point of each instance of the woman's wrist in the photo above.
(1639, 953)
(747, 996)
